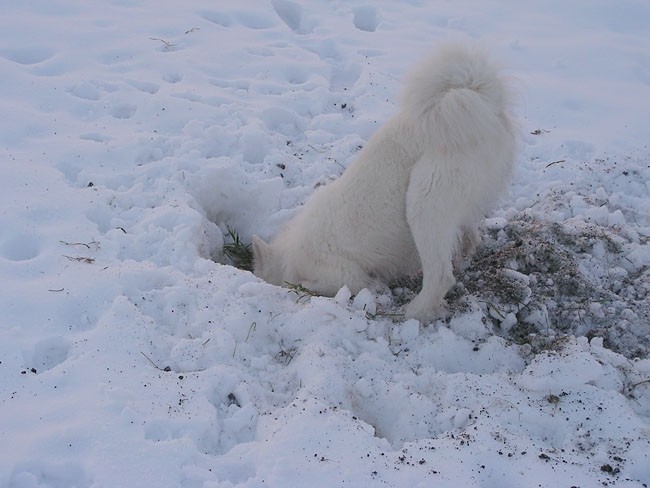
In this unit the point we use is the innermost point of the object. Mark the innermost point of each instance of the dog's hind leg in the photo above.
(434, 211)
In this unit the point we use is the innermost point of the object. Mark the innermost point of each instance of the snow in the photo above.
(132, 354)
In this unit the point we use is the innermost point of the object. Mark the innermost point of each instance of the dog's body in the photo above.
(413, 197)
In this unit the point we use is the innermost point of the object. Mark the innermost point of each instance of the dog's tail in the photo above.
(458, 98)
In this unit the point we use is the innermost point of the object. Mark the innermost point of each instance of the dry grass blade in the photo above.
(81, 259)
(239, 253)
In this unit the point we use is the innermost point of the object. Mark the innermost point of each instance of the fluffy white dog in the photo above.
(413, 197)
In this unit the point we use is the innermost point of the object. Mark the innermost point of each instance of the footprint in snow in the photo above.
(366, 18)
(292, 14)
(344, 77)
(172, 77)
(27, 55)
(123, 111)
(219, 18)
(86, 91)
(48, 353)
(145, 86)
(22, 247)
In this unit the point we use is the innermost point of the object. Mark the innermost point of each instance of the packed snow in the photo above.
(136, 133)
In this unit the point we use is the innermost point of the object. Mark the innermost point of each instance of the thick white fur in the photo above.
(414, 195)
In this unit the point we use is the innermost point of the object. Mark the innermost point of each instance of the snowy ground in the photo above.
(134, 132)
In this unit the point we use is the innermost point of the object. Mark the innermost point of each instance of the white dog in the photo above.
(414, 196)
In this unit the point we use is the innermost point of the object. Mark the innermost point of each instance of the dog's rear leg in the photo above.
(437, 277)
(434, 212)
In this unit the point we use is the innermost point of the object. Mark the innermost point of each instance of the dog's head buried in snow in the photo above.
(415, 194)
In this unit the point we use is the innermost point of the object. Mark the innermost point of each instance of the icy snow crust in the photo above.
(131, 354)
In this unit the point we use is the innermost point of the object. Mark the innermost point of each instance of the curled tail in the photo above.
(458, 98)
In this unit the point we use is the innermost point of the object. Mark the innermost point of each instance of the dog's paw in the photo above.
(424, 310)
